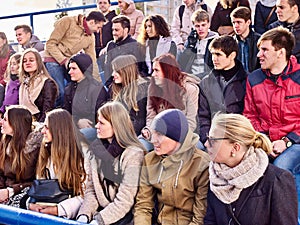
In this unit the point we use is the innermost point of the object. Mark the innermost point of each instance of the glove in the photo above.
(192, 41)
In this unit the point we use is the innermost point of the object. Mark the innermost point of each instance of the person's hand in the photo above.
(82, 219)
(278, 147)
(50, 210)
(3, 195)
(180, 47)
(35, 207)
(102, 52)
(84, 123)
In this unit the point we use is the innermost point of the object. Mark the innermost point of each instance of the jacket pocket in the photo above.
(292, 97)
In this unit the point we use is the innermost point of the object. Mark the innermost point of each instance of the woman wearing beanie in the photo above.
(174, 175)
(244, 187)
(127, 8)
(81, 94)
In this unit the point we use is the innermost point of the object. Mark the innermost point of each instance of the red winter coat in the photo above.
(274, 108)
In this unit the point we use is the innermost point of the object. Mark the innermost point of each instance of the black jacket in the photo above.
(251, 39)
(272, 200)
(214, 98)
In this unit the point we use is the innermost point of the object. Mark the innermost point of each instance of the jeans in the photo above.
(58, 73)
(290, 160)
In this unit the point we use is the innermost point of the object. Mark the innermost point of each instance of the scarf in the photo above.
(227, 183)
(30, 90)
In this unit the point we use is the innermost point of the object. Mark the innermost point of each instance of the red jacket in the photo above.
(274, 108)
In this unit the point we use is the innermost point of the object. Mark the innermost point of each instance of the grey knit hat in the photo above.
(171, 123)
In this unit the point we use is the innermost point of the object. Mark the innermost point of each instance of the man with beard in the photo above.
(122, 44)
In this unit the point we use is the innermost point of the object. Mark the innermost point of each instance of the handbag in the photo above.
(47, 191)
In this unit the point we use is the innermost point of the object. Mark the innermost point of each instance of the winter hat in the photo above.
(128, 1)
(171, 123)
(84, 63)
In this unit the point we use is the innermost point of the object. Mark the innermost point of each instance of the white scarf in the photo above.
(227, 183)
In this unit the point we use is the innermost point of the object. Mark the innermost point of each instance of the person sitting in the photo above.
(81, 93)
(19, 150)
(129, 88)
(27, 39)
(196, 58)
(244, 187)
(38, 90)
(115, 166)
(63, 156)
(155, 38)
(174, 177)
(127, 8)
(11, 96)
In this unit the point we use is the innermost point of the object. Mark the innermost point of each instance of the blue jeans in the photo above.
(290, 160)
(58, 74)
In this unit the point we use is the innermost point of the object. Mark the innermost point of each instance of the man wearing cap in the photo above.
(71, 35)
(175, 173)
(81, 94)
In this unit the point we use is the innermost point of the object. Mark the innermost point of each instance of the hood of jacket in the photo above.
(291, 67)
(268, 3)
(192, 78)
(211, 35)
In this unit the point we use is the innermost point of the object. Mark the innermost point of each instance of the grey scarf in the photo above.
(227, 183)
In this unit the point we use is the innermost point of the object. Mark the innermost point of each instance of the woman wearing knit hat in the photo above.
(175, 173)
(81, 94)
(244, 187)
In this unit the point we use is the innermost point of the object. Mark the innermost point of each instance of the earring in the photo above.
(232, 154)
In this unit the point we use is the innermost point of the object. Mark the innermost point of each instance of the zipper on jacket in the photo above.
(292, 96)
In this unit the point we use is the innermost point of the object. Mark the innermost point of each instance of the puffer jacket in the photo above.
(273, 107)
(69, 38)
(179, 182)
(136, 19)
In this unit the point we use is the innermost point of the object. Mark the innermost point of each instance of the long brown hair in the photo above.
(20, 119)
(4, 51)
(64, 152)
(126, 93)
(171, 94)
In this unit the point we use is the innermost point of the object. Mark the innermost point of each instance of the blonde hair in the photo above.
(237, 128)
(126, 93)
(17, 57)
(116, 114)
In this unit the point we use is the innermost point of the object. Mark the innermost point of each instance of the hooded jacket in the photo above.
(136, 19)
(273, 107)
(179, 182)
(34, 42)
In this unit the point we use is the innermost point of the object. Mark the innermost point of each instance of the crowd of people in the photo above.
(145, 122)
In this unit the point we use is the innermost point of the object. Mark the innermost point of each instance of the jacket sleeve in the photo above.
(145, 199)
(60, 29)
(175, 28)
(192, 96)
(250, 109)
(258, 19)
(204, 116)
(200, 204)
(284, 203)
(69, 207)
(215, 21)
(138, 24)
(124, 199)
(90, 50)
(49, 93)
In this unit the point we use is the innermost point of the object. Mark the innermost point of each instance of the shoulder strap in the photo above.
(181, 10)
(269, 16)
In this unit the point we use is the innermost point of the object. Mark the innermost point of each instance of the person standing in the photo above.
(272, 99)
(71, 35)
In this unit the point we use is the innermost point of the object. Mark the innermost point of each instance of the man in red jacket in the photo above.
(272, 101)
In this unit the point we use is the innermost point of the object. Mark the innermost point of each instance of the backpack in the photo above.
(181, 10)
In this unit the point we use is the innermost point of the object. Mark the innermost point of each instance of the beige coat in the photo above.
(122, 195)
(180, 183)
(69, 38)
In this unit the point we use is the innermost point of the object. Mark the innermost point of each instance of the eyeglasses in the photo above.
(211, 140)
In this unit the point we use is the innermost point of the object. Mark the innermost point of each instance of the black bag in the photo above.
(47, 191)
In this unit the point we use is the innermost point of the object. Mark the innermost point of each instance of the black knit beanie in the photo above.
(84, 62)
